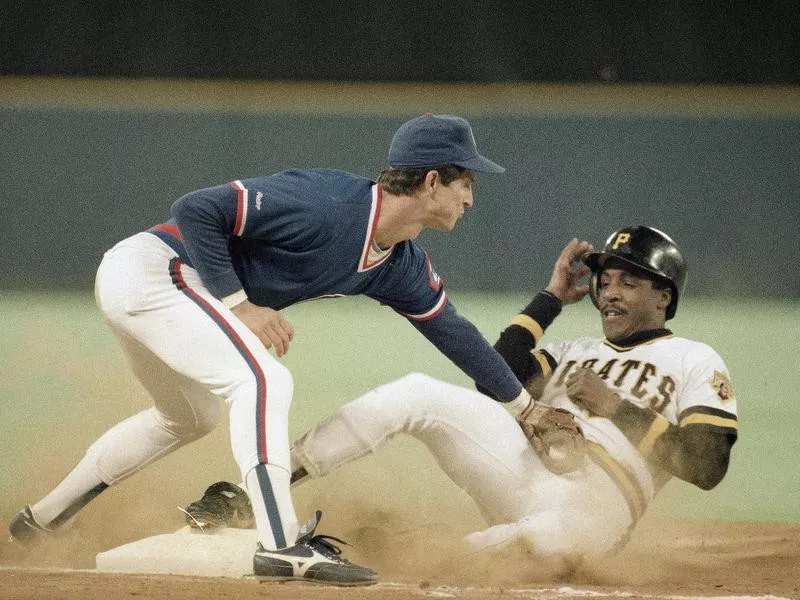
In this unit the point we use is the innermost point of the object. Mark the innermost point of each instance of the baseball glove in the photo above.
(555, 437)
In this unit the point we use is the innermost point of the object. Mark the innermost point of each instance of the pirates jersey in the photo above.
(671, 380)
(678, 416)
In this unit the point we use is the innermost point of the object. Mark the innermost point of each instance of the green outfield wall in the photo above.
(722, 177)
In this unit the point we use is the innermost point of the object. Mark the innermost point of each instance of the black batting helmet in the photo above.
(648, 249)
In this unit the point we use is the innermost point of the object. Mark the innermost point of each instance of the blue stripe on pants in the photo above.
(272, 506)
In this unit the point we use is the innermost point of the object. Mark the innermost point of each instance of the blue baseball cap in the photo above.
(436, 140)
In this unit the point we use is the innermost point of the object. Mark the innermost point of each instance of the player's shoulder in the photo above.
(328, 180)
(409, 259)
(690, 346)
(695, 354)
(579, 345)
(320, 173)
(325, 195)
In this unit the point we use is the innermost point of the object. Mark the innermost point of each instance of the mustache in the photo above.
(612, 306)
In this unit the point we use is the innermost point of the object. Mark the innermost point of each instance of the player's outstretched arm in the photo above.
(460, 341)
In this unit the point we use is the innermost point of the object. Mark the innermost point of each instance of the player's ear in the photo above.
(432, 181)
(664, 298)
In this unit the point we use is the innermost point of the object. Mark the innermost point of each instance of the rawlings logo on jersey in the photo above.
(722, 385)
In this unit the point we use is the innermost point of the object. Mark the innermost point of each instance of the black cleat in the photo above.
(313, 559)
(298, 475)
(223, 505)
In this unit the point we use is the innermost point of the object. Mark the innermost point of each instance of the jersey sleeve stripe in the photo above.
(707, 419)
(526, 322)
(430, 314)
(544, 363)
(707, 410)
(241, 208)
(657, 428)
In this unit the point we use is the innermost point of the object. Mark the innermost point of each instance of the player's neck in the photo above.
(401, 218)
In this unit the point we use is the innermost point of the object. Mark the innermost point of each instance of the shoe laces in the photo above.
(323, 545)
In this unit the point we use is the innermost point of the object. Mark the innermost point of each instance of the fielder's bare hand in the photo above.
(587, 389)
(269, 325)
(564, 282)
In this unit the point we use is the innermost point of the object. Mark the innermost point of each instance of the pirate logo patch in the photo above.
(722, 385)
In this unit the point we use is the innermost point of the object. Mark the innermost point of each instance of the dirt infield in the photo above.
(408, 527)
(667, 561)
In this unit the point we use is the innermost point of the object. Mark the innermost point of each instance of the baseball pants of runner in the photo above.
(480, 447)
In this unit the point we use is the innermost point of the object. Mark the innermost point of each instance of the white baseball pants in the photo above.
(478, 444)
(189, 352)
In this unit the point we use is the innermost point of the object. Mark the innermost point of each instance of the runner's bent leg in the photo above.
(474, 439)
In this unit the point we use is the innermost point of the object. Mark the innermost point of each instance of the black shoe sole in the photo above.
(280, 579)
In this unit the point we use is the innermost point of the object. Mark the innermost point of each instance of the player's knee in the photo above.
(546, 536)
(403, 395)
(207, 419)
(417, 383)
(428, 393)
(272, 384)
(281, 377)
(275, 376)
(415, 378)
(199, 419)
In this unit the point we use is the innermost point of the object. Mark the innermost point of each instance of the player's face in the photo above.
(629, 303)
(451, 201)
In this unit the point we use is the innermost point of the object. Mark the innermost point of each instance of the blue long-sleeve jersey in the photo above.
(303, 234)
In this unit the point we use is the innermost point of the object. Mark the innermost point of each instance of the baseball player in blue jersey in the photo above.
(650, 405)
(195, 304)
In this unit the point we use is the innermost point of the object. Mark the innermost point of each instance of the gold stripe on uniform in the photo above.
(542, 360)
(705, 419)
(657, 429)
(625, 482)
(530, 324)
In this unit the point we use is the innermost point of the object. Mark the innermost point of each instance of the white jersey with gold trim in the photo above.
(669, 375)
